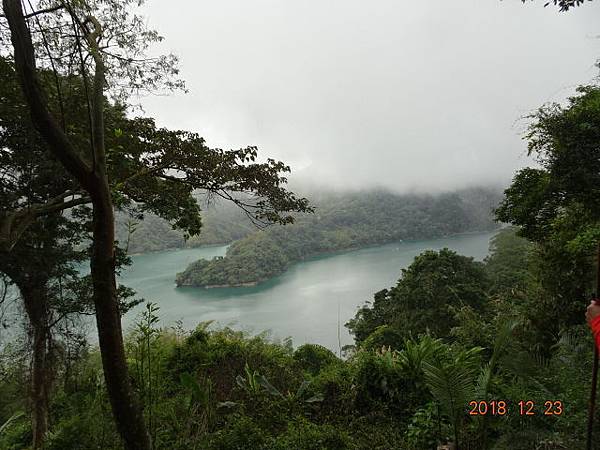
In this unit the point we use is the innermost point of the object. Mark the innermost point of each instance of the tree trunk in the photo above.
(127, 413)
(42, 372)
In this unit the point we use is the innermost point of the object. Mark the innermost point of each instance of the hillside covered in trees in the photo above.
(222, 223)
(342, 222)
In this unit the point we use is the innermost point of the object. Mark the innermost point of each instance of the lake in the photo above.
(309, 303)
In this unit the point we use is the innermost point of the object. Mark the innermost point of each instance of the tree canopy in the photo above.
(426, 298)
(557, 205)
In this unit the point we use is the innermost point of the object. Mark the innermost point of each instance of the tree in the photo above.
(159, 177)
(40, 262)
(41, 266)
(426, 296)
(508, 262)
(557, 205)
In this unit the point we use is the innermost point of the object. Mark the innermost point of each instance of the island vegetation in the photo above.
(342, 222)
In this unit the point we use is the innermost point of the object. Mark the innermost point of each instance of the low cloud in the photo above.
(404, 95)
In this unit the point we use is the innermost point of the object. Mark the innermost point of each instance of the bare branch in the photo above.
(13, 224)
(41, 11)
(44, 11)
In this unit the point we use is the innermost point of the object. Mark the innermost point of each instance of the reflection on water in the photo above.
(307, 303)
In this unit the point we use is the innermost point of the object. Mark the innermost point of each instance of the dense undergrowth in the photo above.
(401, 387)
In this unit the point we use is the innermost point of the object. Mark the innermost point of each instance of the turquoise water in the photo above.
(307, 303)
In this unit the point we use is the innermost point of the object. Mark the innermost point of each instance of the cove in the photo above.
(310, 302)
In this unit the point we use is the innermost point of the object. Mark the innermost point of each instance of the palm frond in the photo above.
(502, 341)
(451, 384)
(415, 353)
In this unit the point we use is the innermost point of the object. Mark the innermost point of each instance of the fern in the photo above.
(501, 343)
(451, 382)
(413, 355)
(10, 420)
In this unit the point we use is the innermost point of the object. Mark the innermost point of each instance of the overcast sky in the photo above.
(422, 95)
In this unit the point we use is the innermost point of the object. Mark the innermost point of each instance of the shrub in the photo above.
(191, 354)
(423, 428)
(304, 435)
(222, 355)
(84, 432)
(241, 433)
(384, 336)
(334, 383)
(17, 435)
(381, 383)
(313, 357)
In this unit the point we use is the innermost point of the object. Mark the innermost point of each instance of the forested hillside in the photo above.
(222, 223)
(341, 222)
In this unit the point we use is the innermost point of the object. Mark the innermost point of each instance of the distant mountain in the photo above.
(345, 221)
(222, 223)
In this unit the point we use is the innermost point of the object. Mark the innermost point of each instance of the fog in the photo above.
(422, 95)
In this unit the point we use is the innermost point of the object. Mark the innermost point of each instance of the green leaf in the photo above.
(10, 420)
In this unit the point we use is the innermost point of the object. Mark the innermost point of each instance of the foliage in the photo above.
(242, 433)
(564, 5)
(508, 264)
(145, 337)
(443, 335)
(424, 298)
(306, 435)
(382, 383)
(223, 389)
(384, 336)
(557, 206)
(422, 431)
(451, 381)
(313, 357)
(126, 163)
(222, 223)
(10, 420)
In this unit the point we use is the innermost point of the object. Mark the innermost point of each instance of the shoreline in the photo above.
(331, 253)
(175, 249)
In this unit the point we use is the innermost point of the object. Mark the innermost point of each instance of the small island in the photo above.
(343, 222)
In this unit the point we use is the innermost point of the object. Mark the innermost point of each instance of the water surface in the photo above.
(309, 303)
